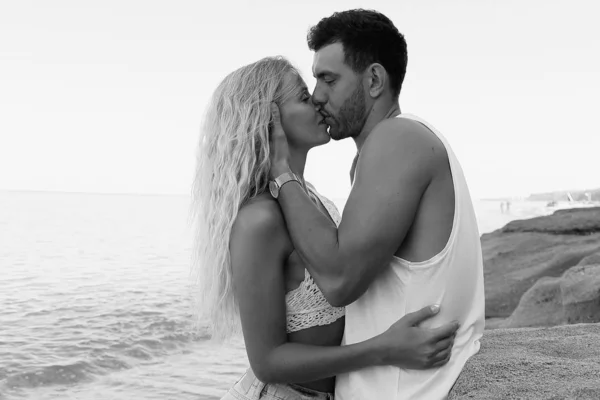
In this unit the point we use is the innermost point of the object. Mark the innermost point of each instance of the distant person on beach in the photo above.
(408, 235)
(250, 271)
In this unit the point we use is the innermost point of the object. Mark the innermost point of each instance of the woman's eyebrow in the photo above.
(302, 88)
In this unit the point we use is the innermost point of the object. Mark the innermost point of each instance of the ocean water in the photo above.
(95, 304)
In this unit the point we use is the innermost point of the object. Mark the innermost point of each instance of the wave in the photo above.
(60, 374)
(80, 355)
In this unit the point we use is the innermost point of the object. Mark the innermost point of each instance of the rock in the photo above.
(570, 299)
(540, 363)
(541, 305)
(590, 260)
(539, 272)
(514, 262)
(575, 221)
(580, 292)
(495, 323)
(522, 252)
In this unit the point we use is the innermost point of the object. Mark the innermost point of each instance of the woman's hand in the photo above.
(279, 150)
(407, 345)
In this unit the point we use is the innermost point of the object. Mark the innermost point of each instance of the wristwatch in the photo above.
(276, 184)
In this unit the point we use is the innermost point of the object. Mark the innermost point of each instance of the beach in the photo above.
(94, 298)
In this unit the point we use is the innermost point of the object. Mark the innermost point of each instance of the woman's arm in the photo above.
(259, 248)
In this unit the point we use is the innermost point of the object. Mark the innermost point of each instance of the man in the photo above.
(408, 236)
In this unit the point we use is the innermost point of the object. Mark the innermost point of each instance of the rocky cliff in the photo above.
(542, 279)
(526, 262)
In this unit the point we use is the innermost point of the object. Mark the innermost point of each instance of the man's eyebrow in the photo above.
(322, 74)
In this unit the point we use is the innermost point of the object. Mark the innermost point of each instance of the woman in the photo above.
(245, 261)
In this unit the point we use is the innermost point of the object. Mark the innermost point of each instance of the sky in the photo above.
(108, 96)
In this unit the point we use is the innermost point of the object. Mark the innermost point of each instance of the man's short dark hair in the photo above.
(367, 37)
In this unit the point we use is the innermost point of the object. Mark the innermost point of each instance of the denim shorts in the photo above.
(248, 387)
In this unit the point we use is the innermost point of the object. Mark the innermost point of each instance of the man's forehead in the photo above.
(328, 59)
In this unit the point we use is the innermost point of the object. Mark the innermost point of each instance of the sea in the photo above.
(95, 298)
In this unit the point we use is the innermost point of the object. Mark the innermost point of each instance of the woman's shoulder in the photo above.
(260, 217)
(263, 205)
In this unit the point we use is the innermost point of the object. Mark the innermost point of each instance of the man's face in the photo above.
(339, 93)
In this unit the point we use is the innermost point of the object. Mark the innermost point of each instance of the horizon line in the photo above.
(95, 193)
(486, 198)
(491, 198)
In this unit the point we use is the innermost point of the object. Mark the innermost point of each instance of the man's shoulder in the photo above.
(405, 135)
(403, 131)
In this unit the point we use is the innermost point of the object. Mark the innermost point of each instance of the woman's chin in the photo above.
(325, 129)
(322, 136)
(321, 141)
(326, 137)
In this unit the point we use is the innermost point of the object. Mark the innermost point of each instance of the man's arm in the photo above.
(259, 248)
(397, 163)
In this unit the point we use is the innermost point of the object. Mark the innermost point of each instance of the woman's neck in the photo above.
(298, 162)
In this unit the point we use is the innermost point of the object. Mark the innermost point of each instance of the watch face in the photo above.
(274, 189)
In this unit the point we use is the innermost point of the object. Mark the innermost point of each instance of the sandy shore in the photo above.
(561, 362)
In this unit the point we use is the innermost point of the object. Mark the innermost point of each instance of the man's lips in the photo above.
(324, 118)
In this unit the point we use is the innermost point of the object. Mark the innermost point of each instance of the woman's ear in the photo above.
(377, 79)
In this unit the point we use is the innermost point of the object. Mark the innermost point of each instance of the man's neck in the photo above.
(378, 112)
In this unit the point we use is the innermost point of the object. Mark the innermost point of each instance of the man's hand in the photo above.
(279, 150)
(408, 346)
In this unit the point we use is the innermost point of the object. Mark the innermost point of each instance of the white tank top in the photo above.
(453, 278)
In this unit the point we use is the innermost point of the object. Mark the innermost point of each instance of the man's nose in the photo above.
(318, 97)
(316, 103)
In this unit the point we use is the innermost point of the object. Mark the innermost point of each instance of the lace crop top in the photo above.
(306, 306)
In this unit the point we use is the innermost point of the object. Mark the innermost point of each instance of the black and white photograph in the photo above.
(311, 200)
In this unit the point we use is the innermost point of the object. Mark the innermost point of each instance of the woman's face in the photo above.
(304, 127)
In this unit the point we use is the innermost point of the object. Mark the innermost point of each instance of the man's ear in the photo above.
(377, 79)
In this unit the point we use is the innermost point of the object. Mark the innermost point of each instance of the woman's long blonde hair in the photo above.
(232, 167)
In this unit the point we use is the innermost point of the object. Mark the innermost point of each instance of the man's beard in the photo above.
(351, 118)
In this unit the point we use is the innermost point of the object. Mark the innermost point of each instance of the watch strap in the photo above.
(285, 178)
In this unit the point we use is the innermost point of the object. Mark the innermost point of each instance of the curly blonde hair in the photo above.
(232, 167)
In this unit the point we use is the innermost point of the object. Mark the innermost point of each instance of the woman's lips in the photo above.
(325, 118)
